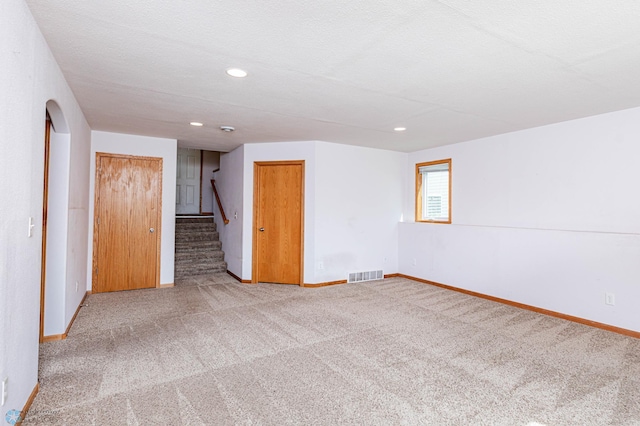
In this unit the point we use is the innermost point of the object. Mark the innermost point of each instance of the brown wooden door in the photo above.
(278, 222)
(127, 222)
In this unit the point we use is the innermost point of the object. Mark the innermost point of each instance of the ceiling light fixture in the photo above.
(400, 129)
(196, 124)
(227, 129)
(236, 72)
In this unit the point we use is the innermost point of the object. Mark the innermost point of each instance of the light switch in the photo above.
(5, 390)
(31, 226)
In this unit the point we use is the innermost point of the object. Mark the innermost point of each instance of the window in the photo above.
(433, 191)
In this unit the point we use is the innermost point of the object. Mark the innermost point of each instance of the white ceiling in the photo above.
(343, 71)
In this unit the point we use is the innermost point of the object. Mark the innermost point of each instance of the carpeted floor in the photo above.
(213, 351)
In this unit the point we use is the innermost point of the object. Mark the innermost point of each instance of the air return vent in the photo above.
(356, 277)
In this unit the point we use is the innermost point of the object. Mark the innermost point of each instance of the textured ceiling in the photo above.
(343, 71)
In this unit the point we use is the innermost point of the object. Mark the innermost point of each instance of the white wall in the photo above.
(229, 181)
(353, 202)
(210, 162)
(359, 195)
(547, 217)
(117, 143)
(57, 230)
(29, 77)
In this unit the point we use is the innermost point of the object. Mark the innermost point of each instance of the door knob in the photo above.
(151, 230)
(261, 229)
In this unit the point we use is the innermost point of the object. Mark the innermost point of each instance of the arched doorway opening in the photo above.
(55, 218)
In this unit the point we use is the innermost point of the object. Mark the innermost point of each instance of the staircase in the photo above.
(198, 248)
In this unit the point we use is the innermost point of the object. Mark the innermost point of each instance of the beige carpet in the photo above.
(213, 351)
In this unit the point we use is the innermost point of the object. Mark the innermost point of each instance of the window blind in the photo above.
(435, 195)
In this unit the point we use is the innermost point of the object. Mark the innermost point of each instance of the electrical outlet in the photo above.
(320, 265)
(413, 261)
(5, 390)
(76, 286)
(610, 299)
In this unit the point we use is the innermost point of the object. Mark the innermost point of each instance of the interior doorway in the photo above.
(278, 222)
(55, 223)
(194, 171)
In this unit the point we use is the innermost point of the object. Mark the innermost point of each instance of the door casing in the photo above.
(45, 205)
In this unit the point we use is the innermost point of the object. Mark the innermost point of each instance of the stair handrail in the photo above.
(215, 191)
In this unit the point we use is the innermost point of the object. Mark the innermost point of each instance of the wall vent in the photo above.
(356, 277)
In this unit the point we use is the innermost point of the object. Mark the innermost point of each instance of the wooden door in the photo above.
(126, 253)
(278, 222)
(188, 178)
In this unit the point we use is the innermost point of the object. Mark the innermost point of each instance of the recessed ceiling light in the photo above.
(236, 72)
(400, 129)
(196, 124)
(227, 128)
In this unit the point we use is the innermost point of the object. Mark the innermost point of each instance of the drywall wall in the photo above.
(117, 143)
(30, 78)
(229, 182)
(546, 217)
(57, 234)
(76, 149)
(210, 163)
(353, 202)
(358, 204)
